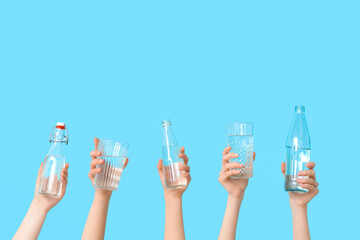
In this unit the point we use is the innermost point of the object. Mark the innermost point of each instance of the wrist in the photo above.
(172, 197)
(38, 207)
(103, 194)
(236, 197)
(298, 207)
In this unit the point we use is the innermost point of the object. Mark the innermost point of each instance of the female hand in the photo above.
(47, 202)
(97, 161)
(234, 186)
(302, 199)
(176, 192)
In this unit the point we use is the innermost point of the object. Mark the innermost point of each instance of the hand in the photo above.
(234, 186)
(47, 202)
(302, 199)
(94, 170)
(176, 192)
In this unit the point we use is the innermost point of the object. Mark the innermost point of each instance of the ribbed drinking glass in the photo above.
(114, 153)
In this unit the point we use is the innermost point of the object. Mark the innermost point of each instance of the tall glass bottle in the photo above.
(50, 179)
(298, 147)
(171, 160)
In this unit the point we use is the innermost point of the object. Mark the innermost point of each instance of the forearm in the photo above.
(96, 222)
(174, 226)
(228, 227)
(31, 225)
(300, 222)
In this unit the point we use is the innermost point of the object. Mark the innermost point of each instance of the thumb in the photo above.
(96, 143)
(39, 173)
(160, 168)
(283, 168)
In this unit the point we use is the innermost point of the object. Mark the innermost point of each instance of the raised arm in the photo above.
(40, 206)
(96, 222)
(236, 190)
(174, 226)
(299, 201)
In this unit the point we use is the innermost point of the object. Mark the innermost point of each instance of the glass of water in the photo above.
(114, 153)
(240, 139)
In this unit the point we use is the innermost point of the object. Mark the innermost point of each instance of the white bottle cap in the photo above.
(60, 124)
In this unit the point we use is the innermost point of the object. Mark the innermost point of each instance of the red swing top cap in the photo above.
(60, 125)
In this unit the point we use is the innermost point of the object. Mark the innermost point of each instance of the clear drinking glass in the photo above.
(114, 153)
(240, 139)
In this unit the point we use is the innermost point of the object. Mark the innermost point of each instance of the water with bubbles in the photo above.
(244, 146)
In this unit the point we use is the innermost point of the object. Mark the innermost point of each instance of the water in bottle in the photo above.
(298, 147)
(171, 160)
(50, 179)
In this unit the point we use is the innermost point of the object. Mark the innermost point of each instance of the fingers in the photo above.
(254, 156)
(283, 168)
(229, 156)
(310, 187)
(309, 173)
(94, 154)
(309, 181)
(65, 172)
(228, 174)
(126, 162)
(188, 179)
(64, 177)
(182, 150)
(185, 168)
(184, 156)
(95, 162)
(94, 171)
(226, 150)
(187, 176)
(310, 165)
(96, 143)
(228, 166)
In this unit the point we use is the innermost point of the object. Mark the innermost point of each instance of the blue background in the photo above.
(116, 69)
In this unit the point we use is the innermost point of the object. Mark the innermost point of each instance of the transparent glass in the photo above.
(240, 139)
(298, 145)
(171, 160)
(50, 178)
(50, 182)
(114, 153)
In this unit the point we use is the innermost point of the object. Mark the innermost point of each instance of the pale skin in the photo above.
(174, 226)
(236, 190)
(299, 201)
(96, 222)
(40, 206)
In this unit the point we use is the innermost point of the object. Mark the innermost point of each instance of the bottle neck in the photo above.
(57, 149)
(168, 136)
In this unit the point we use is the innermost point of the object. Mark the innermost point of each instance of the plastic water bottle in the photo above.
(50, 181)
(171, 159)
(298, 147)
